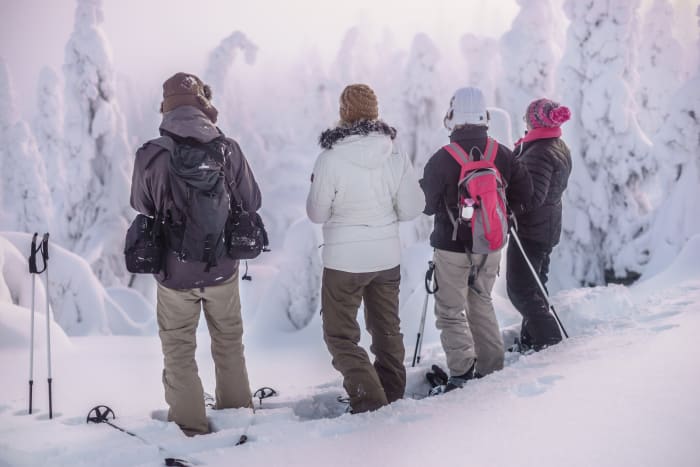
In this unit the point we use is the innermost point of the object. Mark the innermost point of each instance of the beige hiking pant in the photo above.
(465, 315)
(178, 316)
(369, 386)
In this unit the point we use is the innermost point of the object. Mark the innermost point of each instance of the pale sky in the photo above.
(151, 39)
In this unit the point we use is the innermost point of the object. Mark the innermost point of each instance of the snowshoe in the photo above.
(453, 382)
(437, 377)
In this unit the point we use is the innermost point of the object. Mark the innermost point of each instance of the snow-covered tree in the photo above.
(606, 212)
(421, 111)
(530, 53)
(483, 62)
(26, 203)
(48, 130)
(98, 158)
(235, 115)
(353, 64)
(660, 66)
(221, 60)
(677, 145)
(294, 296)
(223, 57)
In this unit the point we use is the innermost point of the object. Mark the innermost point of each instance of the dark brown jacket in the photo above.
(150, 192)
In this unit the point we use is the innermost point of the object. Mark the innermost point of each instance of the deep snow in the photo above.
(621, 391)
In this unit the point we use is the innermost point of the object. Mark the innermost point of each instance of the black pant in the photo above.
(539, 328)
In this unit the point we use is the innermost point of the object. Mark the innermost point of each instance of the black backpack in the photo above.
(196, 231)
(208, 220)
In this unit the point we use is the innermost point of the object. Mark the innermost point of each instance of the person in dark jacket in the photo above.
(548, 162)
(185, 287)
(464, 310)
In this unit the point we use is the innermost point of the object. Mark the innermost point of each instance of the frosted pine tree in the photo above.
(218, 76)
(48, 130)
(26, 202)
(224, 56)
(421, 111)
(98, 158)
(606, 211)
(353, 64)
(677, 146)
(531, 53)
(660, 66)
(483, 66)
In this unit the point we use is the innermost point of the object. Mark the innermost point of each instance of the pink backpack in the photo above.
(482, 201)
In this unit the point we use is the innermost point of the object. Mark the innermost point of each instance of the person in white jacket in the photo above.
(361, 188)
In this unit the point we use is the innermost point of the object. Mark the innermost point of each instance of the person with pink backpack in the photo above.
(468, 185)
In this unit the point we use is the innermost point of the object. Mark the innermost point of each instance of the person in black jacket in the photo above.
(548, 161)
(464, 311)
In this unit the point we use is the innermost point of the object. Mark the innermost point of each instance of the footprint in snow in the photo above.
(535, 388)
(664, 327)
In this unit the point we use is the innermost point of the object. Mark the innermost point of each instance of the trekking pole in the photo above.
(429, 289)
(539, 282)
(45, 256)
(33, 270)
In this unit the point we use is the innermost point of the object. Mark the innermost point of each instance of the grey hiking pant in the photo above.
(178, 316)
(465, 315)
(369, 386)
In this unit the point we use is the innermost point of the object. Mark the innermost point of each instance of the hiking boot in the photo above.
(521, 347)
(456, 382)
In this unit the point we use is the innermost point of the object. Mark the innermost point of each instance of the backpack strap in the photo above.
(457, 153)
(491, 150)
(462, 158)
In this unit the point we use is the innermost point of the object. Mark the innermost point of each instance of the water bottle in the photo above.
(467, 209)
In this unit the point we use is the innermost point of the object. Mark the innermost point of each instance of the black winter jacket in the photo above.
(549, 163)
(439, 184)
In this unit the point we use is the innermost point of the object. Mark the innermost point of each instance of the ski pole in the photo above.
(539, 282)
(33, 270)
(45, 256)
(429, 281)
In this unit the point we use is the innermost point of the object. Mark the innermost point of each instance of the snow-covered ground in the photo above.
(621, 391)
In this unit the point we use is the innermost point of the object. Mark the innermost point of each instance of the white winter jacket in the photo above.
(361, 188)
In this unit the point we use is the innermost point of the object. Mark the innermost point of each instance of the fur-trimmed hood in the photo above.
(363, 127)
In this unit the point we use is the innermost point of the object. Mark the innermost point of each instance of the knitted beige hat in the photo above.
(358, 102)
(187, 89)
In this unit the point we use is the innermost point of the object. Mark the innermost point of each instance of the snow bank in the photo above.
(15, 330)
(15, 279)
(80, 304)
(684, 268)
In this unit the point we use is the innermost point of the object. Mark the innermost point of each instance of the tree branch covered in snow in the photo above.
(223, 57)
(421, 84)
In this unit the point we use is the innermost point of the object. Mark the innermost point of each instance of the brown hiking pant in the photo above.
(465, 315)
(178, 316)
(368, 386)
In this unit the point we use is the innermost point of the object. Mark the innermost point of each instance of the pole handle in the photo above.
(431, 285)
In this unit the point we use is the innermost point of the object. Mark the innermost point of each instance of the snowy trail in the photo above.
(619, 393)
